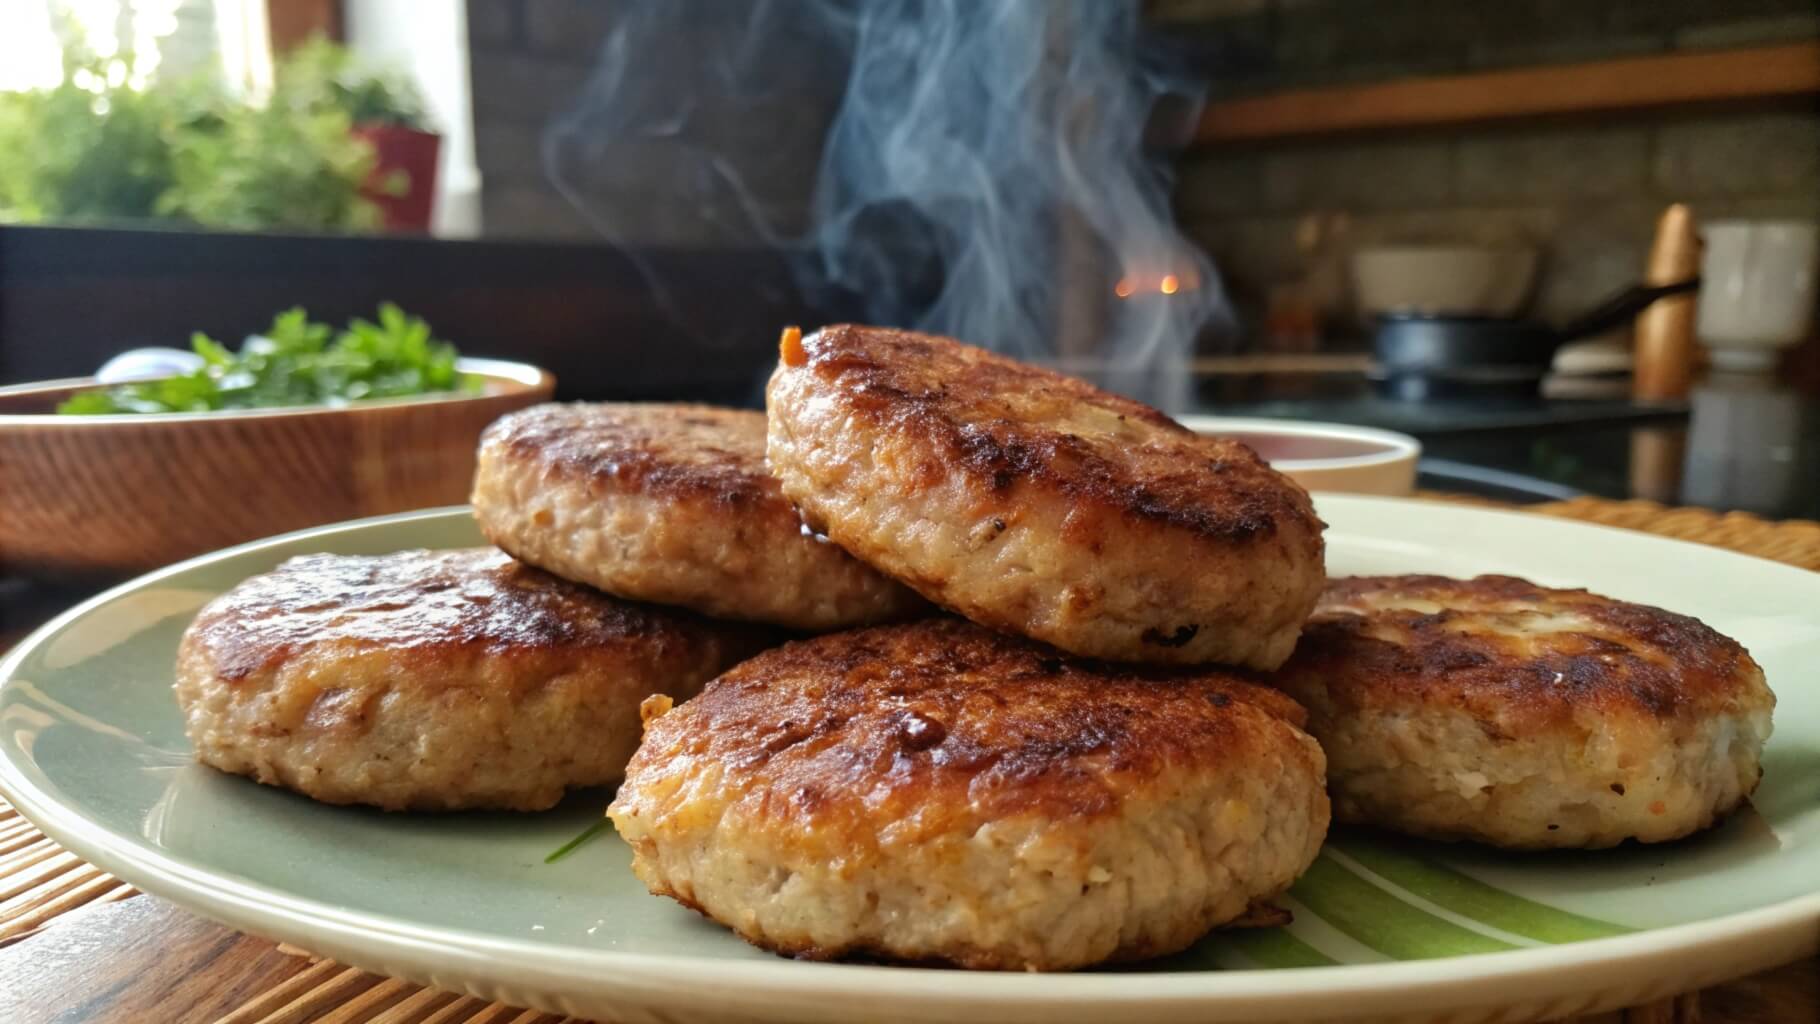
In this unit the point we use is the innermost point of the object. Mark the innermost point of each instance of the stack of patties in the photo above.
(1060, 781)
(1056, 774)
(655, 554)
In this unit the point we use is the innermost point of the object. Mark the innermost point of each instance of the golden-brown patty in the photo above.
(433, 680)
(1035, 503)
(669, 503)
(940, 791)
(1498, 710)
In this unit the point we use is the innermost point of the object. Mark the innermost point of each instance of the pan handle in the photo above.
(1621, 307)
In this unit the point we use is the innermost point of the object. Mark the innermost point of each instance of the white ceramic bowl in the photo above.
(1324, 456)
(1442, 280)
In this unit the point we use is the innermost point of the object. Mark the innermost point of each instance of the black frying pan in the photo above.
(1444, 356)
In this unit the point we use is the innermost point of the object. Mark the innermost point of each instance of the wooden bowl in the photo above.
(111, 495)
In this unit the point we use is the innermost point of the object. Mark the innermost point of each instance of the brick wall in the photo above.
(530, 59)
(526, 58)
(1587, 192)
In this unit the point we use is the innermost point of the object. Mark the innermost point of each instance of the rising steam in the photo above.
(969, 167)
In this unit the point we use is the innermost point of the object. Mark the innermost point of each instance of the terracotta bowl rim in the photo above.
(521, 378)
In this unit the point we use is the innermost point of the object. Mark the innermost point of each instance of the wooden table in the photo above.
(79, 947)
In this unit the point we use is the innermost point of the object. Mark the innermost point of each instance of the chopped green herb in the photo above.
(579, 841)
(296, 362)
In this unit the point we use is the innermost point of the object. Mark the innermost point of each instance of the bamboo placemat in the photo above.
(328, 993)
(39, 880)
(1794, 541)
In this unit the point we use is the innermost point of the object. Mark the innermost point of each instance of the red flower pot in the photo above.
(397, 148)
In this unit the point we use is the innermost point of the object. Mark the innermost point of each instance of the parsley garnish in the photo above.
(296, 362)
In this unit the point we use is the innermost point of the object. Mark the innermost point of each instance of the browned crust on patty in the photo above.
(1008, 423)
(1518, 656)
(676, 451)
(422, 606)
(926, 723)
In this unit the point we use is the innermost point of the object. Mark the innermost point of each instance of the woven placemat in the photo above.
(328, 993)
(1794, 541)
(39, 880)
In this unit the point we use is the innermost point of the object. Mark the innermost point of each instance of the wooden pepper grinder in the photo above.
(1663, 359)
(1664, 367)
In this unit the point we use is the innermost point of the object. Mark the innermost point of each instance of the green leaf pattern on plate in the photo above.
(1404, 906)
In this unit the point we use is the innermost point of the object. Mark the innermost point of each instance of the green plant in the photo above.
(296, 362)
(94, 150)
(74, 155)
(18, 185)
(252, 168)
(321, 75)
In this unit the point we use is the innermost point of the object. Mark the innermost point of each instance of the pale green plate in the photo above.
(92, 749)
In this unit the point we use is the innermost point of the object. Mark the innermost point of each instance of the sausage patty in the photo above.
(1035, 503)
(433, 680)
(939, 791)
(669, 503)
(1497, 710)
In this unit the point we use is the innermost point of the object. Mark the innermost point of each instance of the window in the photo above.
(135, 40)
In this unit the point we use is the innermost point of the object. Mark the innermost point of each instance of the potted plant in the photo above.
(263, 168)
(181, 151)
(385, 111)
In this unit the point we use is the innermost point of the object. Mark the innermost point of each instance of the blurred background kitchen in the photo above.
(1443, 217)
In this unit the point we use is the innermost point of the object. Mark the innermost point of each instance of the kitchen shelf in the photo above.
(1634, 83)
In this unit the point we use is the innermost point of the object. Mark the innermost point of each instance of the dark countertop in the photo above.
(1739, 442)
